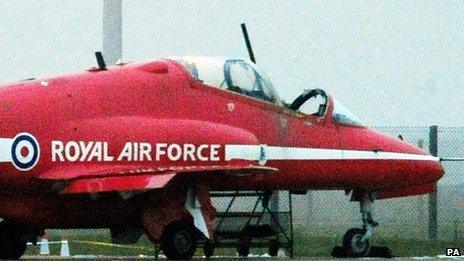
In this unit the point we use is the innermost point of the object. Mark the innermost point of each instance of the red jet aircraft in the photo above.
(137, 148)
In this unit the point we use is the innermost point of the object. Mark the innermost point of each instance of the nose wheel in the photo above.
(353, 243)
(356, 240)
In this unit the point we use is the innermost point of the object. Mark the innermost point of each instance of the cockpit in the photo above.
(235, 75)
(245, 77)
(315, 102)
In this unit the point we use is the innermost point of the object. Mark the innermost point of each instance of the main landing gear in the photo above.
(179, 240)
(356, 240)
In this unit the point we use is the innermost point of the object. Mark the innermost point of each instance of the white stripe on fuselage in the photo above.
(253, 152)
(5, 149)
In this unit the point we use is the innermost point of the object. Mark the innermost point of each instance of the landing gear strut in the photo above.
(356, 240)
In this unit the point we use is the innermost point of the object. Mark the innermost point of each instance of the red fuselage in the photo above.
(83, 124)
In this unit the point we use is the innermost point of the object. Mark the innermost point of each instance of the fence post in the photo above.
(274, 207)
(433, 149)
(310, 205)
(422, 199)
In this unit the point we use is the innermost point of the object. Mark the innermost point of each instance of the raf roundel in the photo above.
(25, 151)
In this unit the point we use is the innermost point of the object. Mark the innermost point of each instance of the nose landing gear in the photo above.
(356, 240)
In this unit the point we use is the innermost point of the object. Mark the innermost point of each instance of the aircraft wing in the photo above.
(130, 178)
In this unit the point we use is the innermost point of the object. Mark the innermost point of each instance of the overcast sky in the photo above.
(391, 62)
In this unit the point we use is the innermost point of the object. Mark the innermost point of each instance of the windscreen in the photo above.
(342, 115)
(207, 70)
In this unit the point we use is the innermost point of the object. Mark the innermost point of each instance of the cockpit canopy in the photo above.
(245, 77)
(230, 74)
(344, 116)
(315, 102)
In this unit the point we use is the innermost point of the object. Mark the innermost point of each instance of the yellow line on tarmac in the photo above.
(110, 244)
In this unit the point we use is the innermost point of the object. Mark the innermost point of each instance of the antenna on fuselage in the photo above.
(247, 42)
(100, 61)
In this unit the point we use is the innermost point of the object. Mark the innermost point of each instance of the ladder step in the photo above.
(237, 214)
(235, 194)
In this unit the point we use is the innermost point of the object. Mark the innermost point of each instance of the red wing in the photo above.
(101, 170)
(118, 183)
(136, 179)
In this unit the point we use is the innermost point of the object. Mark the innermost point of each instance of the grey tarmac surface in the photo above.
(92, 257)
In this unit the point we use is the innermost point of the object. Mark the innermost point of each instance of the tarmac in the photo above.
(93, 257)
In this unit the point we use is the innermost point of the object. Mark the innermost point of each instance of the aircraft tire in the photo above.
(273, 247)
(243, 247)
(178, 240)
(12, 244)
(208, 249)
(353, 244)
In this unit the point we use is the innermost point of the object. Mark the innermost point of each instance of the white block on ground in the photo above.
(64, 250)
(282, 253)
(44, 247)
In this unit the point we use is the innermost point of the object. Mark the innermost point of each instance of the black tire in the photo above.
(273, 247)
(178, 240)
(353, 244)
(12, 242)
(208, 249)
(243, 247)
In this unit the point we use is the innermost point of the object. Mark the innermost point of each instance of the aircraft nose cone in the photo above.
(435, 171)
(408, 164)
(426, 169)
